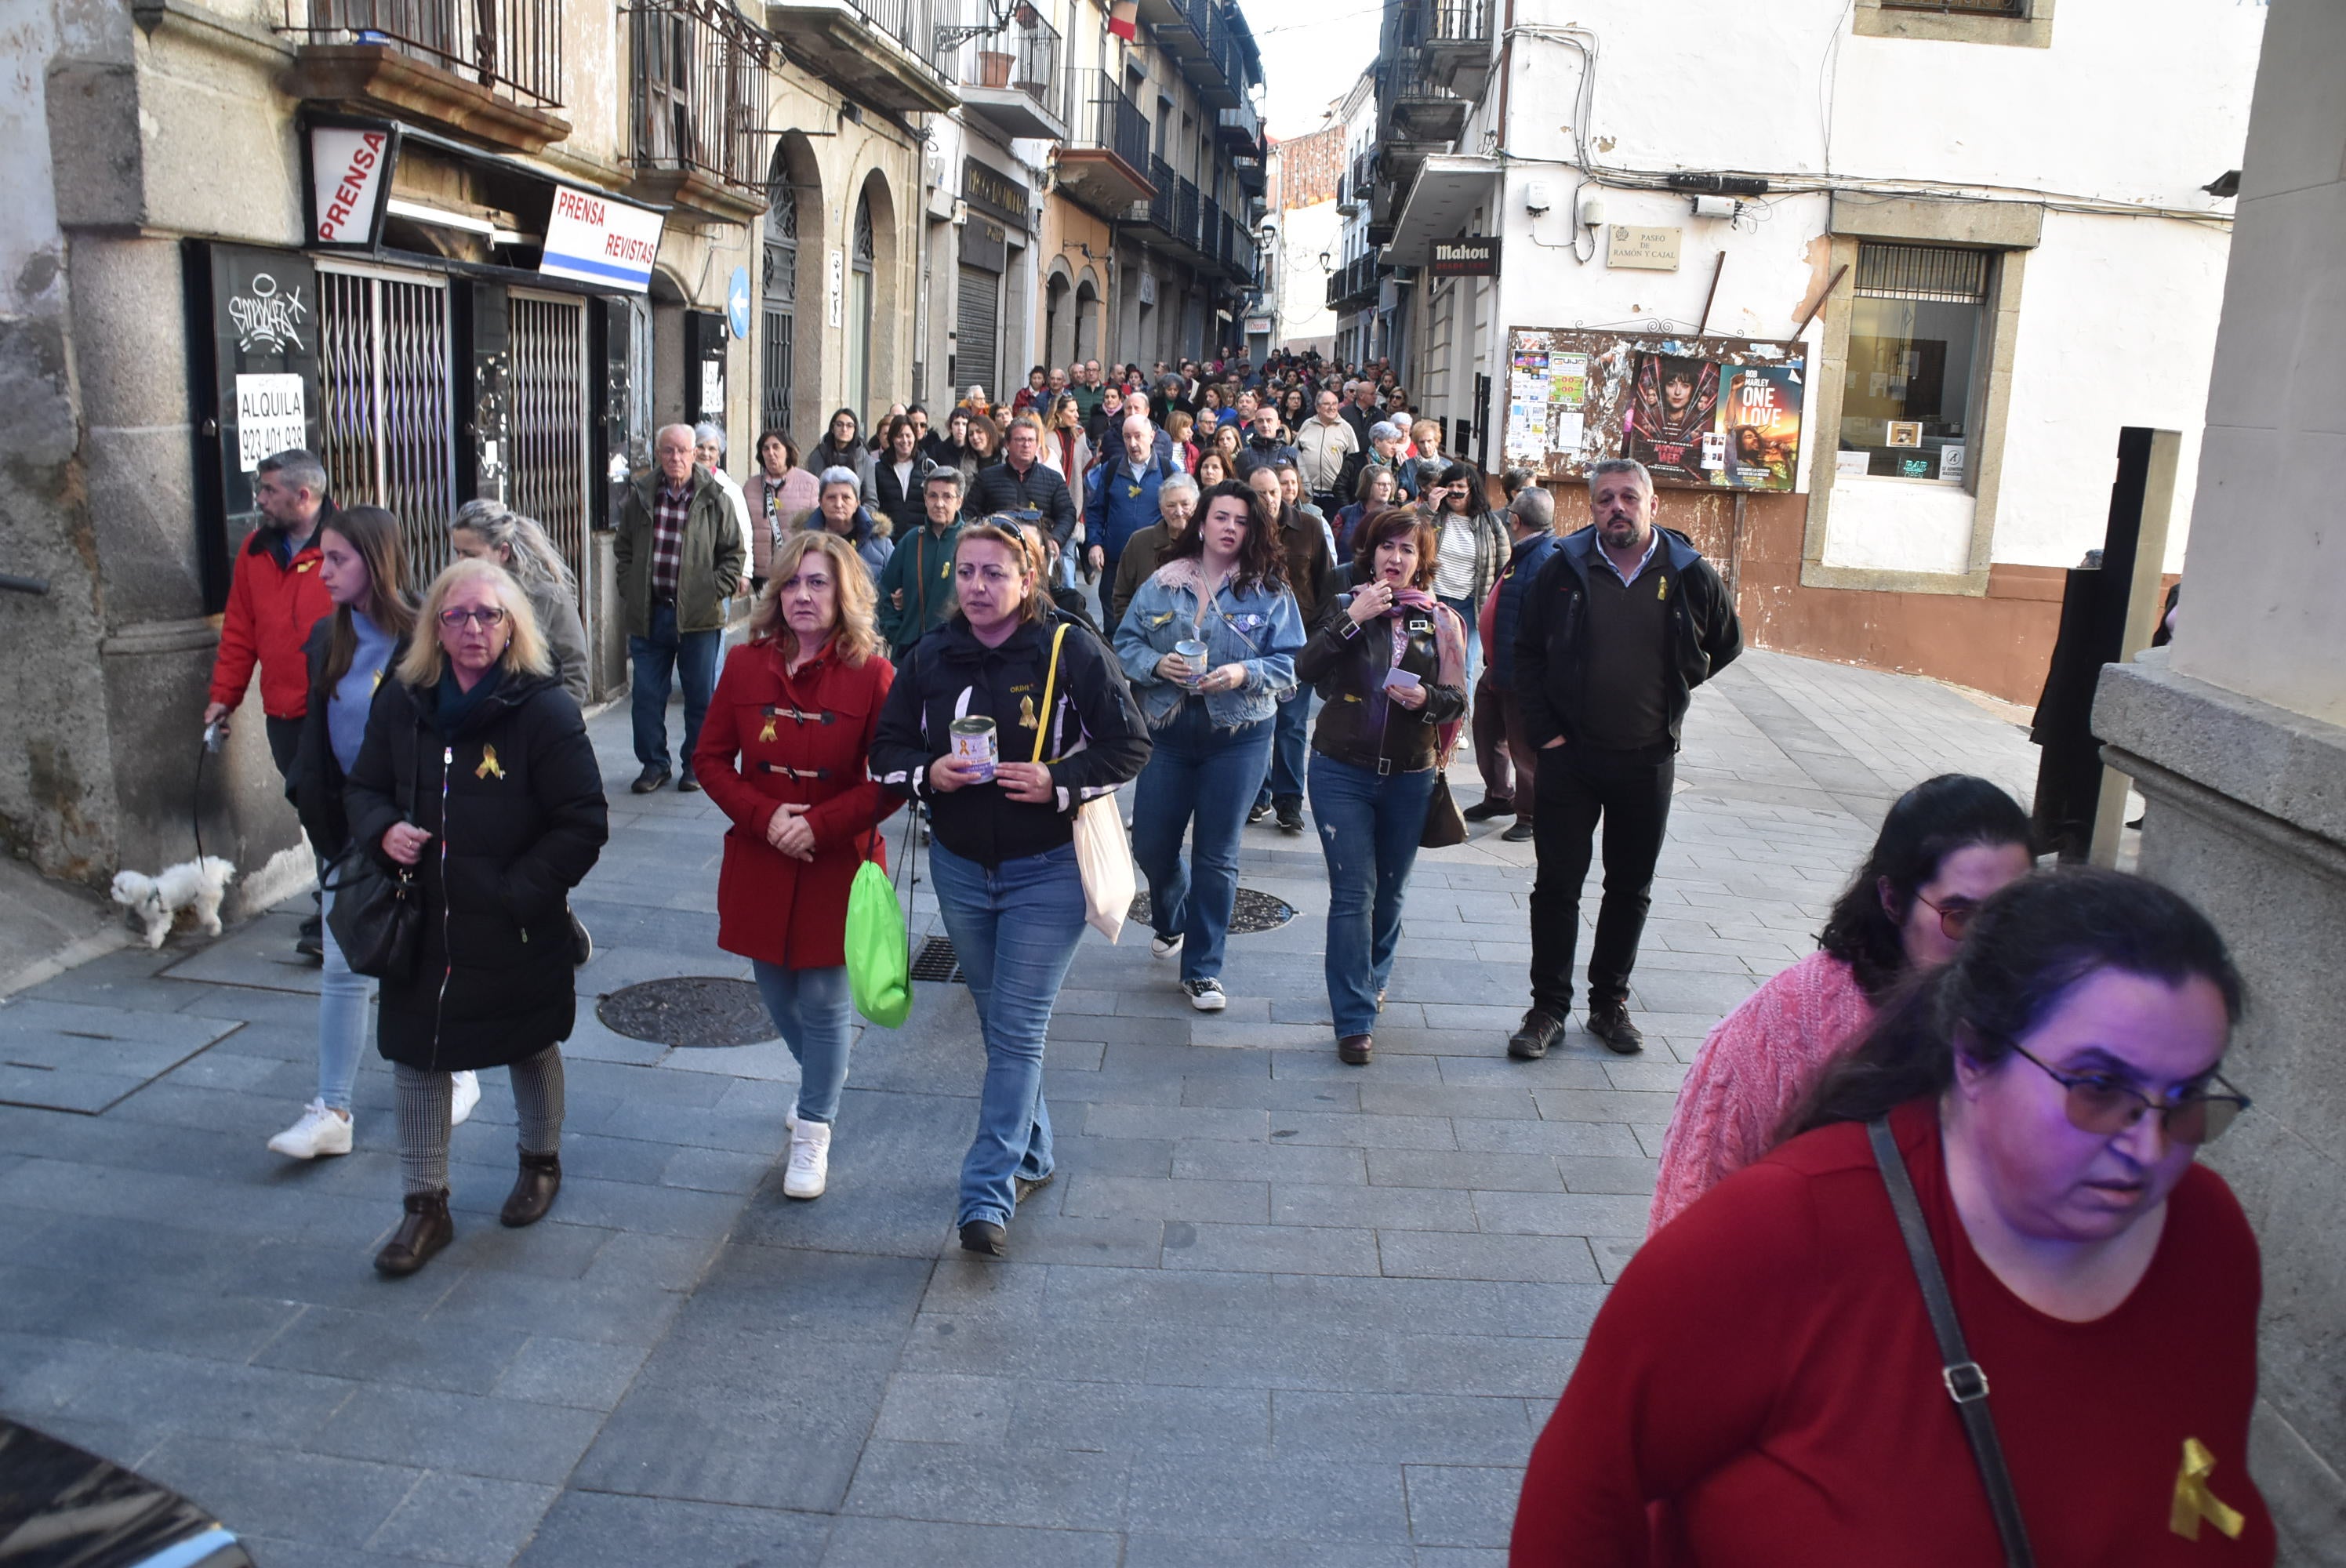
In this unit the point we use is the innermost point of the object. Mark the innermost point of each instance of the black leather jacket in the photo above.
(1346, 664)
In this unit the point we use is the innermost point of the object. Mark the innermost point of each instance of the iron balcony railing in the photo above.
(1406, 80)
(1024, 57)
(912, 23)
(513, 47)
(1210, 227)
(1185, 213)
(1104, 116)
(1461, 22)
(700, 87)
(1243, 120)
(1166, 202)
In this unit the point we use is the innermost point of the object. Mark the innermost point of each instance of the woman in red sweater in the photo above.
(1947, 844)
(1763, 1385)
(782, 754)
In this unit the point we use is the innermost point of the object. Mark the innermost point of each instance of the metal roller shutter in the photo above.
(977, 331)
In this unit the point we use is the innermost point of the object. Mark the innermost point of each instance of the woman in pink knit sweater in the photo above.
(1946, 845)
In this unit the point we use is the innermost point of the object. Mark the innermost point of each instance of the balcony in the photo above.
(1185, 214)
(879, 50)
(1104, 161)
(1414, 109)
(1457, 46)
(487, 70)
(699, 81)
(1010, 76)
(1164, 198)
(1240, 129)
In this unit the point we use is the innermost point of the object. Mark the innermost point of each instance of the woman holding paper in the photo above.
(1390, 662)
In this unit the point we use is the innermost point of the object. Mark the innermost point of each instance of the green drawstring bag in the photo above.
(878, 945)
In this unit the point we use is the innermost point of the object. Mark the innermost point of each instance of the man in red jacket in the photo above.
(272, 602)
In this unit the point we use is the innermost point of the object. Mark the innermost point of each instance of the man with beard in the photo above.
(273, 601)
(1675, 401)
(1621, 625)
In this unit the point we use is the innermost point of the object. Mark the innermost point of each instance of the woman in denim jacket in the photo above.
(1224, 586)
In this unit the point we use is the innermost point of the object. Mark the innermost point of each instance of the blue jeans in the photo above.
(343, 999)
(1195, 771)
(815, 1012)
(1014, 928)
(1368, 828)
(1283, 774)
(692, 656)
(1467, 610)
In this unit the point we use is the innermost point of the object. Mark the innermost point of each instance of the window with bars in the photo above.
(1961, 7)
(1914, 336)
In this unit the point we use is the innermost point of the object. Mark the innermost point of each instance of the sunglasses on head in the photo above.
(2106, 1106)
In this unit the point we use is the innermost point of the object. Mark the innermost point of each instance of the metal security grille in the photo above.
(1961, 7)
(776, 347)
(1922, 272)
(384, 392)
(547, 336)
(976, 328)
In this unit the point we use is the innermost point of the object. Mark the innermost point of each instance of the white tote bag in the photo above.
(1102, 852)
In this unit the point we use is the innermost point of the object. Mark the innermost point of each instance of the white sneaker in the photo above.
(319, 1132)
(1206, 995)
(810, 1159)
(465, 1093)
(1165, 946)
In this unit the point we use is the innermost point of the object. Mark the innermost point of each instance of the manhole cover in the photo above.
(694, 1010)
(1253, 911)
(937, 961)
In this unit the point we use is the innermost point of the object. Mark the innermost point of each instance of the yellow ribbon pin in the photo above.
(1663, 590)
(489, 764)
(1025, 713)
(2193, 1501)
(767, 733)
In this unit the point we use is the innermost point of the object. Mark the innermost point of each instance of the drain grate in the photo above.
(692, 1010)
(936, 961)
(1252, 912)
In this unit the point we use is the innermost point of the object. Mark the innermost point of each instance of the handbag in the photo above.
(1102, 852)
(1445, 824)
(1966, 1384)
(377, 916)
(879, 938)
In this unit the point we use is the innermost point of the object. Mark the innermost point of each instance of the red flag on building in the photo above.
(1124, 19)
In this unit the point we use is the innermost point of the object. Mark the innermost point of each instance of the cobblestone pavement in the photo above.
(1275, 1310)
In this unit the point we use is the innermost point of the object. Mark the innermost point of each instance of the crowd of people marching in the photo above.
(1242, 589)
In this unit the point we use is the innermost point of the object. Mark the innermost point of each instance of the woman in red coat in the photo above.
(782, 754)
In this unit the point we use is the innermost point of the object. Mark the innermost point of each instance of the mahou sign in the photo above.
(349, 176)
(592, 239)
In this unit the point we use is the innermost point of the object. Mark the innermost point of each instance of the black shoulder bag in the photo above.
(377, 917)
(1966, 1384)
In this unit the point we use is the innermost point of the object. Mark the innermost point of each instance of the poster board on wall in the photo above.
(1701, 413)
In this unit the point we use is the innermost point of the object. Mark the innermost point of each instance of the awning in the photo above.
(1441, 202)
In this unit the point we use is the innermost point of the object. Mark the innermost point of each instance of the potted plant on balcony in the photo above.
(993, 68)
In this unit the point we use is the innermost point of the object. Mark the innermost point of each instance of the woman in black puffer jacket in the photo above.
(476, 772)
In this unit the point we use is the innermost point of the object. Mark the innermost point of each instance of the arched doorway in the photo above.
(860, 310)
(777, 357)
(1087, 317)
(1058, 315)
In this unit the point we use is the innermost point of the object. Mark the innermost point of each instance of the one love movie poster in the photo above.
(1694, 422)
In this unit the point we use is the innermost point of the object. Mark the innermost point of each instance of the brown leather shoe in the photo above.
(1354, 1049)
(533, 1189)
(426, 1229)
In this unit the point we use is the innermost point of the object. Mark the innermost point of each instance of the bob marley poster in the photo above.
(1674, 405)
(1760, 414)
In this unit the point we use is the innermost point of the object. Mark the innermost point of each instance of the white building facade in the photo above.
(1983, 222)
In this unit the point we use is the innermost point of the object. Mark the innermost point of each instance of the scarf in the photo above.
(1450, 649)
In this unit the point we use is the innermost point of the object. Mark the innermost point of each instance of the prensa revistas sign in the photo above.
(593, 238)
(1475, 258)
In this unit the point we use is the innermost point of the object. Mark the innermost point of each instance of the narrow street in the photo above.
(1275, 1309)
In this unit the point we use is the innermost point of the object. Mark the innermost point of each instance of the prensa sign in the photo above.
(592, 237)
(350, 181)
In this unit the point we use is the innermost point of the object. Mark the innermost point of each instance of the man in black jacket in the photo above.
(1022, 482)
(1620, 628)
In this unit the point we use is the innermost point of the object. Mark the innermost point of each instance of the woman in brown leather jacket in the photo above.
(1390, 663)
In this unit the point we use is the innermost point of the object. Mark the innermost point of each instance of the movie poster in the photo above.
(1760, 417)
(1674, 404)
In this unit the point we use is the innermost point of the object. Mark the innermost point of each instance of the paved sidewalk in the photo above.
(1275, 1310)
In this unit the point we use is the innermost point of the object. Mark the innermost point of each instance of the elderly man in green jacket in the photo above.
(916, 585)
(680, 556)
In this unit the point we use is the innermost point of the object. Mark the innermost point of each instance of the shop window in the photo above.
(1908, 386)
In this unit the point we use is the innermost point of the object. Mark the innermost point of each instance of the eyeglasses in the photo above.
(2099, 1103)
(1954, 919)
(487, 617)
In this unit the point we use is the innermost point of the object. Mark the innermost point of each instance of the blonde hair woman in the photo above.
(475, 775)
(783, 753)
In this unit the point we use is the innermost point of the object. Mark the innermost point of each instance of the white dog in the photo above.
(193, 885)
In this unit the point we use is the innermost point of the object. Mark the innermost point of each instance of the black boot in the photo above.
(533, 1189)
(426, 1229)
